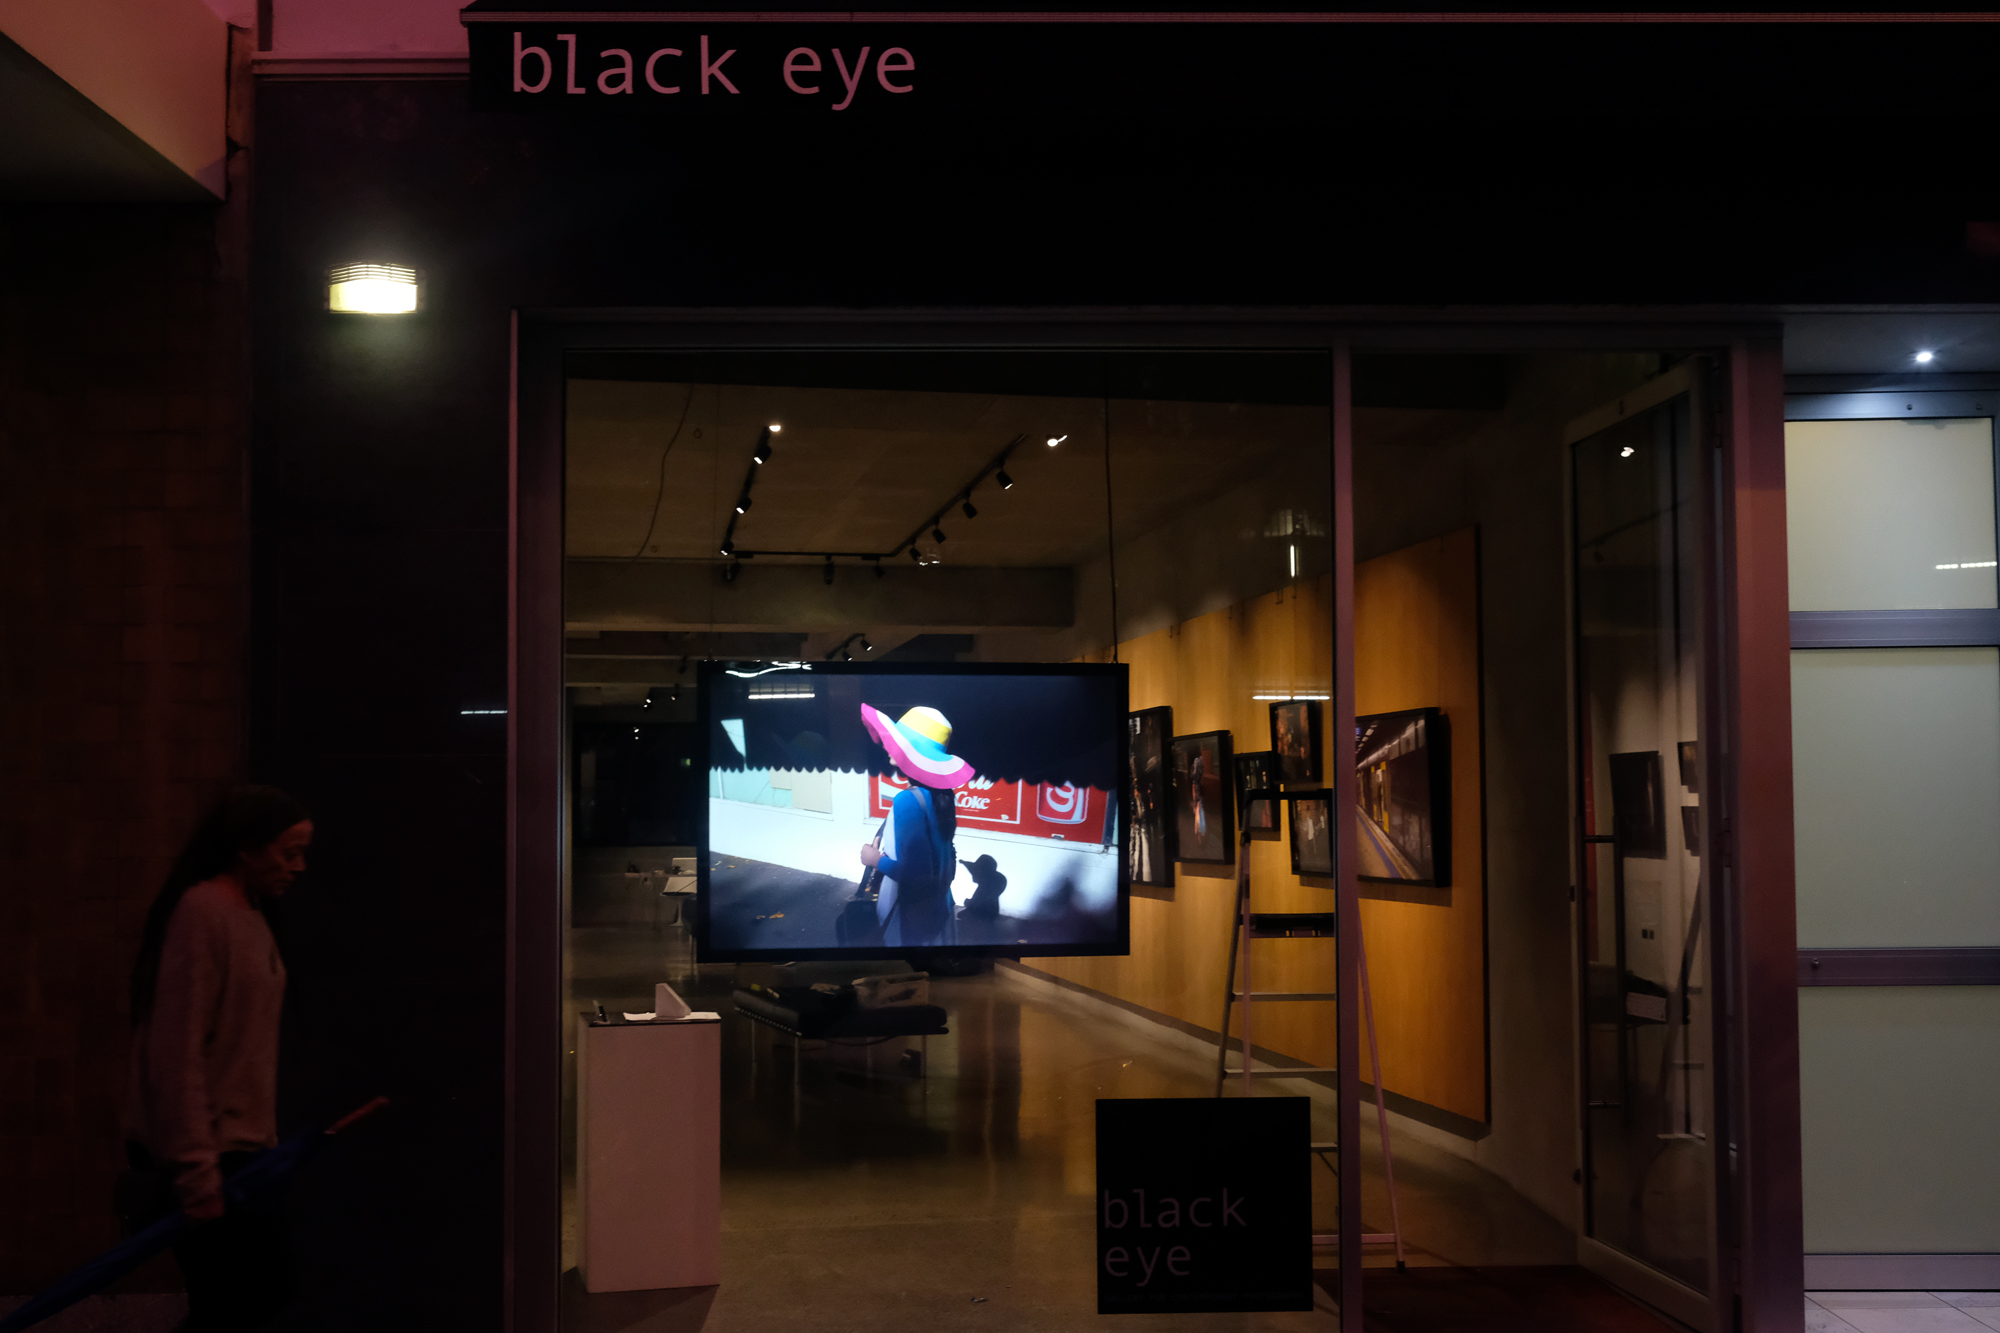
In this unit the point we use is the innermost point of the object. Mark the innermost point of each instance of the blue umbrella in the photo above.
(262, 1174)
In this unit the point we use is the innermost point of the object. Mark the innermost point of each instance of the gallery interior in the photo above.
(1170, 511)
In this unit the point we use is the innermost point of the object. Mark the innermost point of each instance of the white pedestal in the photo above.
(648, 1155)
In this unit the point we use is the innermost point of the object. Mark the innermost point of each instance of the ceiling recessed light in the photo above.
(1924, 358)
(775, 428)
(1627, 451)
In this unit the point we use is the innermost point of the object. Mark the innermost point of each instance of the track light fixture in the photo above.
(866, 646)
(970, 512)
(937, 534)
(743, 503)
(728, 546)
(916, 555)
(763, 454)
(1006, 482)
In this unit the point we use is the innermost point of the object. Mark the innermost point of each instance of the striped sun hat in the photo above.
(917, 746)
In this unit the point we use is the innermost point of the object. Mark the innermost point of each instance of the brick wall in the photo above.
(123, 576)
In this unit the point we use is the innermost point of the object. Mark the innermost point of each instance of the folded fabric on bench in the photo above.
(804, 1012)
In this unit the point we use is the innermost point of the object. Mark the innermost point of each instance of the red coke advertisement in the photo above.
(1037, 809)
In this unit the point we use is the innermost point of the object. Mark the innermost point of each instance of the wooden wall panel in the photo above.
(1416, 631)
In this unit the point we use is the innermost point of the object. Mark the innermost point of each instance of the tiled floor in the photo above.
(1902, 1311)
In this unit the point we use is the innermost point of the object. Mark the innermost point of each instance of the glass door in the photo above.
(1641, 527)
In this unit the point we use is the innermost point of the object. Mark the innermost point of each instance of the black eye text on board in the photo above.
(704, 69)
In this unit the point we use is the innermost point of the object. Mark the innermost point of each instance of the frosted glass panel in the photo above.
(1898, 1087)
(1896, 796)
(1890, 515)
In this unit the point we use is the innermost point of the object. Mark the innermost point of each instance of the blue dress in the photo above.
(917, 866)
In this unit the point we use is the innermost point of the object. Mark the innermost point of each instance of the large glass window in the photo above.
(1638, 573)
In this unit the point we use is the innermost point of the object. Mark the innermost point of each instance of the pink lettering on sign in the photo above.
(795, 66)
(540, 53)
(905, 64)
(1037, 809)
(570, 85)
(620, 72)
(714, 68)
(653, 60)
(850, 82)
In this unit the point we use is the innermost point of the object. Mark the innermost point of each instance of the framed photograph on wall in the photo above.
(1295, 739)
(1204, 797)
(1312, 833)
(1402, 766)
(1149, 843)
(1253, 771)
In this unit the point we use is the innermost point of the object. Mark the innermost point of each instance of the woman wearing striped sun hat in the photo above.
(914, 852)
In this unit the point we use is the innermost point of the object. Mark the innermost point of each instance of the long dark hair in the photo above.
(944, 805)
(244, 820)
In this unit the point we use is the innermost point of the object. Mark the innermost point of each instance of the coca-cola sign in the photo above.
(1038, 809)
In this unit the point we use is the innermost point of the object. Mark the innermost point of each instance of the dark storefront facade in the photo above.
(1427, 274)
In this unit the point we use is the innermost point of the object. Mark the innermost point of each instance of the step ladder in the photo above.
(1249, 926)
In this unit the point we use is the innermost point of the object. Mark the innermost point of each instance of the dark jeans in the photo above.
(238, 1268)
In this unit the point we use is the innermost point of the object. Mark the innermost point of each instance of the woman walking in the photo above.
(207, 992)
(916, 858)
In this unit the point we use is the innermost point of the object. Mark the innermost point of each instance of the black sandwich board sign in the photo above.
(1203, 1204)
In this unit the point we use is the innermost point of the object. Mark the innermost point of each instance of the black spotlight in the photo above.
(728, 546)
(866, 646)
(743, 503)
(916, 555)
(763, 454)
(826, 575)
(970, 512)
(1006, 482)
(937, 534)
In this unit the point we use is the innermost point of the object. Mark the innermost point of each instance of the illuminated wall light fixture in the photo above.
(372, 289)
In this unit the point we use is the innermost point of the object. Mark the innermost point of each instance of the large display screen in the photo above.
(872, 810)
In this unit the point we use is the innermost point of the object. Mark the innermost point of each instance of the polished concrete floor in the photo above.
(858, 1200)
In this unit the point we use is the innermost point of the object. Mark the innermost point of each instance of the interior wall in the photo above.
(1416, 623)
(1208, 668)
(1420, 475)
(1416, 645)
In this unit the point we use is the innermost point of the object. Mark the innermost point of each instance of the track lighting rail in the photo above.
(961, 499)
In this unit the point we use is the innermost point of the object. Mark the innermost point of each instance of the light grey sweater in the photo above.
(205, 1061)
